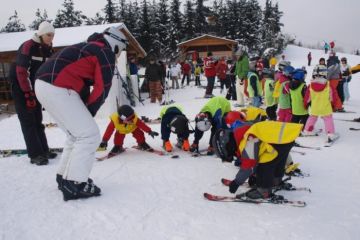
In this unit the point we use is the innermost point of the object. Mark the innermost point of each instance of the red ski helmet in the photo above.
(233, 116)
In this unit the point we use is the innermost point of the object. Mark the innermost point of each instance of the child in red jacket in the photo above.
(126, 121)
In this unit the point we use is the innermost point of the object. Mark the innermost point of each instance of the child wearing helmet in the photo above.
(270, 101)
(174, 121)
(210, 116)
(284, 101)
(319, 94)
(125, 121)
(262, 149)
(297, 93)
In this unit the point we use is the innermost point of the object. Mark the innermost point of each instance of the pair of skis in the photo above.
(275, 199)
(18, 152)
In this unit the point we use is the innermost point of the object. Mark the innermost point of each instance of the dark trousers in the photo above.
(271, 112)
(267, 172)
(197, 81)
(31, 124)
(340, 90)
(300, 119)
(187, 79)
(231, 94)
(210, 85)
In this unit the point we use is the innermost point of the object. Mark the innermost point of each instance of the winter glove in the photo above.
(102, 146)
(30, 101)
(233, 187)
(153, 134)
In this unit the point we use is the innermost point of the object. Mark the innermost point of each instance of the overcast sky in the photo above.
(311, 21)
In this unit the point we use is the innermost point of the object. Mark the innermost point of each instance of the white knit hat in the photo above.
(45, 27)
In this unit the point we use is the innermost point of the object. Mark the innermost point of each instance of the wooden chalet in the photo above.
(199, 46)
(10, 42)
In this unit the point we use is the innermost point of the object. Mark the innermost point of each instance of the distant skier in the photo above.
(309, 58)
(72, 85)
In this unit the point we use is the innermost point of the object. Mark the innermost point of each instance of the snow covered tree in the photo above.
(162, 28)
(271, 28)
(189, 20)
(68, 17)
(132, 20)
(122, 14)
(110, 11)
(97, 20)
(200, 13)
(39, 19)
(175, 26)
(14, 24)
(144, 27)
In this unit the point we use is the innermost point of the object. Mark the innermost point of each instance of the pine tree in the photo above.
(97, 20)
(162, 25)
(175, 27)
(189, 20)
(39, 19)
(110, 12)
(200, 17)
(122, 11)
(223, 20)
(134, 19)
(144, 26)
(14, 24)
(68, 17)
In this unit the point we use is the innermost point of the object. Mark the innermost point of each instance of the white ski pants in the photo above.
(240, 92)
(72, 116)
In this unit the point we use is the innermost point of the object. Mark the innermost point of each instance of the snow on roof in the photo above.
(209, 36)
(63, 36)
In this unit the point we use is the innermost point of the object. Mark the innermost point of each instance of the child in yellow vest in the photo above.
(125, 121)
(320, 95)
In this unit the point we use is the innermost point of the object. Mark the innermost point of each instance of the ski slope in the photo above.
(146, 196)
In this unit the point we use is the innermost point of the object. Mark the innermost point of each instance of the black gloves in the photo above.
(102, 146)
(153, 134)
(233, 187)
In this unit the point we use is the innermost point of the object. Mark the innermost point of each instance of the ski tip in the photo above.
(175, 156)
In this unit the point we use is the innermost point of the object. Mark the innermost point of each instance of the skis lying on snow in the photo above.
(158, 152)
(347, 120)
(354, 129)
(330, 142)
(276, 199)
(17, 152)
(308, 147)
(299, 152)
(227, 182)
(345, 112)
(110, 155)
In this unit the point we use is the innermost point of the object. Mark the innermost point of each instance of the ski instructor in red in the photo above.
(63, 88)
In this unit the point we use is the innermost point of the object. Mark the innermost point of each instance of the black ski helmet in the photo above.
(125, 112)
(224, 144)
(179, 124)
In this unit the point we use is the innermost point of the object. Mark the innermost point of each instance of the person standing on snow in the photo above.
(346, 78)
(297, 92)
(125, 121)
(63, 88)
(210, 73)
(309, 58)
(210, 116)
(154, 75)
(30, 56)
(320, 96)
(241, 71)
(173, 120)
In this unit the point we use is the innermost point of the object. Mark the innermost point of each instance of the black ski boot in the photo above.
(74, 190)
(116, 150)
(39, 160)
(145, 147)
(59, 180)
(50, 155)
(258, 193)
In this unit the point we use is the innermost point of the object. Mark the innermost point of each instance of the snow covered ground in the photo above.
(146, 196)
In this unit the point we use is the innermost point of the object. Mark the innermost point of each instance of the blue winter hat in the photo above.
(288, 70)
(298, 74)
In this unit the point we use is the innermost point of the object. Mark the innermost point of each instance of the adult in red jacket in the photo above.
(63, 87)
(210, 73)
(30, 56)
(186, 69)
(221, 69)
